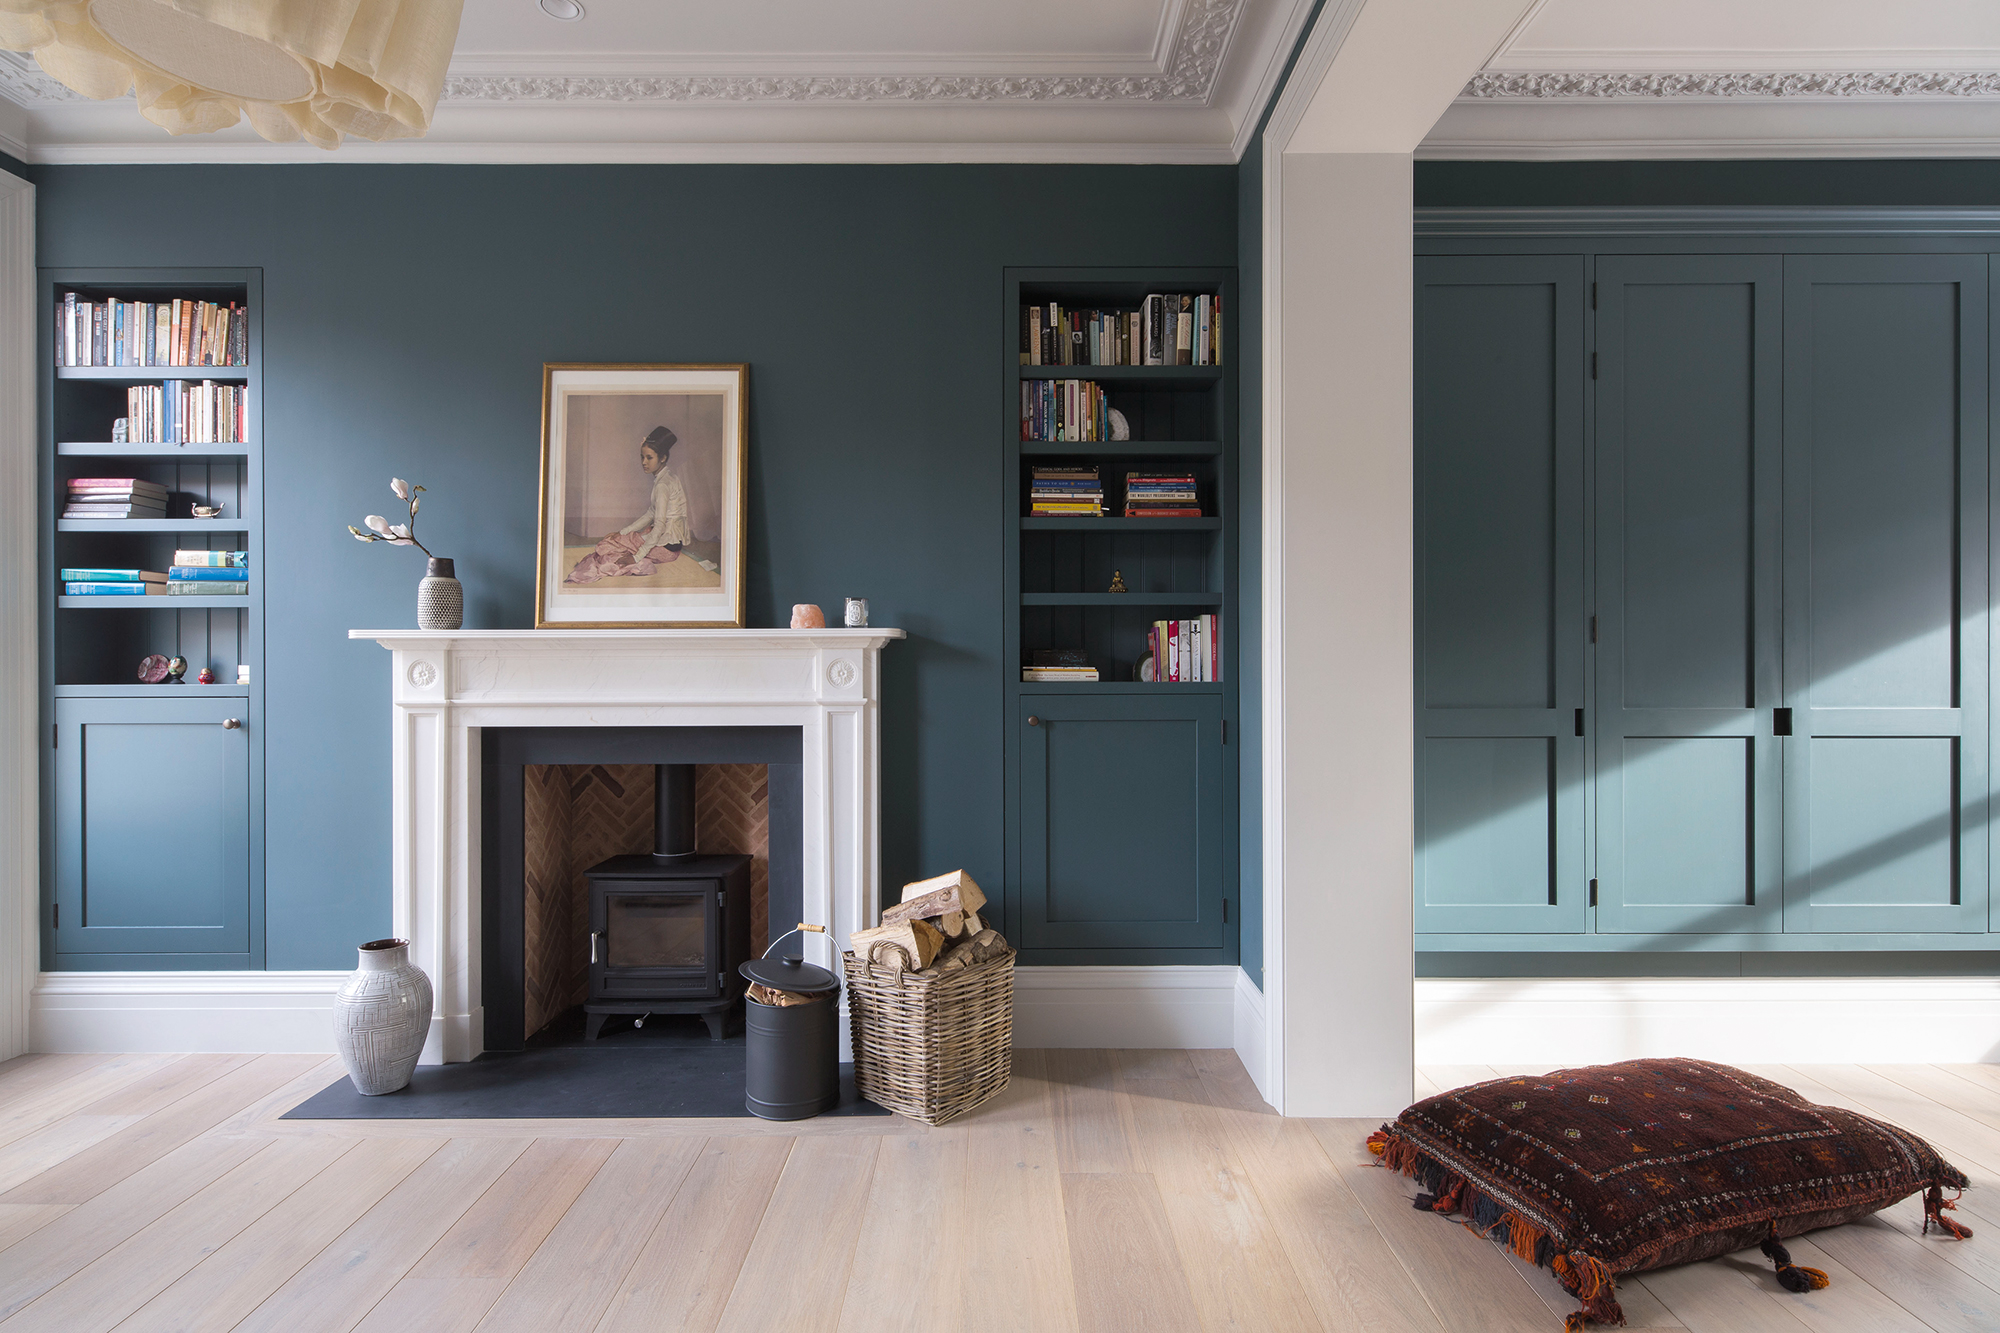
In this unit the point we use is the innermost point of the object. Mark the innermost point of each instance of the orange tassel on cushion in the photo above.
(1934, 1209)
(1791, 1276)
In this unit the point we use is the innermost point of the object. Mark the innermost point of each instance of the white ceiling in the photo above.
(1730, 78)
(784, 80)
(1123, 81)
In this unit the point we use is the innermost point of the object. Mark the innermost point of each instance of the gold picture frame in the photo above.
(641, 520)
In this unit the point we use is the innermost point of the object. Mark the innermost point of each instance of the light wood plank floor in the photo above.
(1104, 1191)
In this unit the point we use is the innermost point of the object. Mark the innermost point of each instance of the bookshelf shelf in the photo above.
(1120, 687)
(233, 526)
(1141, 374)
(173, 453)
(153, 374)
(1110, 524)
(1119, 448)
(202, 743)
(169, 692)
(190, 603)
(1121, 599)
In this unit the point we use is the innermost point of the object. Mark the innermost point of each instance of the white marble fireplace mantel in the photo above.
(448, 684)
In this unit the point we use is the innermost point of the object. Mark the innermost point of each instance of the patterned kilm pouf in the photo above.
(1620, 1168)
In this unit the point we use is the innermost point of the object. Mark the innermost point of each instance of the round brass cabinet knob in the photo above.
(1034, 721)
(230, 723)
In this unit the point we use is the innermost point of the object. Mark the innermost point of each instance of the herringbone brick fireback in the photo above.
(579, 814)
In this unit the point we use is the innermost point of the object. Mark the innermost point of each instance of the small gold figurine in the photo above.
(1118, 582)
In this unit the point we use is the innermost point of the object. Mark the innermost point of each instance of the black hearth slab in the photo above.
(606, 1080)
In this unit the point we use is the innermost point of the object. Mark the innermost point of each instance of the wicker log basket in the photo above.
(930, 1045)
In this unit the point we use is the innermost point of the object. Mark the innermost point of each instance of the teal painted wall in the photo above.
(1857, 183)
(408, 311)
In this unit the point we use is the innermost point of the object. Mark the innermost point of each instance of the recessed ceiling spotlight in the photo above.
(569, 11)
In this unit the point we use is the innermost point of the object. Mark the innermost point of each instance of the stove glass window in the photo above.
(655, 930)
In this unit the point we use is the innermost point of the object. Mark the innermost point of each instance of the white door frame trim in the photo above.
(20, 670)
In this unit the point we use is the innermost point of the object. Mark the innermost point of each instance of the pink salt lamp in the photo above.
(807, 616)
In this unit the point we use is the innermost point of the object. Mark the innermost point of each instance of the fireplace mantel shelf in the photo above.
(447, 686)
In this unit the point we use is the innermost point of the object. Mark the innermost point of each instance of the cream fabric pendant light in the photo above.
(296, 69)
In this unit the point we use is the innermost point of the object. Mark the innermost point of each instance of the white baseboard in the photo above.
(1191, 1008)
(1251, 1044)
(263, 1012)
(1738, 1020)
(1126, 1008)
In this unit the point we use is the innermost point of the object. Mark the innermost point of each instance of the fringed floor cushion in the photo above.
(1620, 1168)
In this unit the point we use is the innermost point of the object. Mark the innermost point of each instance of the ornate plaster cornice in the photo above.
(1192, 68)
(1497, 86)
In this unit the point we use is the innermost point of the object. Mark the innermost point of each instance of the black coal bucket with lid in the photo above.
(791, 1052)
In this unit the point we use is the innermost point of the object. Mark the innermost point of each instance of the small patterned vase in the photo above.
(381, 1016)
(440, 598)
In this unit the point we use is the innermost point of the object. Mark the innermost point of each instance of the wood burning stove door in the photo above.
(654, 942)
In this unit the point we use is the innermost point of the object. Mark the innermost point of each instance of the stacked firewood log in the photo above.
(936, 927)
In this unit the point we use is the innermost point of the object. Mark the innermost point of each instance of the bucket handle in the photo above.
(904, 963)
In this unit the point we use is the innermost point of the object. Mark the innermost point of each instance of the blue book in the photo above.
(113, 589)
(112, 576)
(204, 574)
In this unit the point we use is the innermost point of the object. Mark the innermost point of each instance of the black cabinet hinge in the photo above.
(1225, 911)
(1593, 365)
(1225, 731)
(55, 735)
(1579, 722)
(1781, 721)
(1593, 893)
(1593, 629)
(55, 916)
(1593, 296)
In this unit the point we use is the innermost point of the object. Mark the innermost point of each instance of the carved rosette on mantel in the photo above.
(447, 685)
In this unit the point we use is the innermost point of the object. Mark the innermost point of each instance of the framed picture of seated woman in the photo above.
(643, 472)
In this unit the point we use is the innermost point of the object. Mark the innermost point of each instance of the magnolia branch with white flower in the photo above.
(396, 534)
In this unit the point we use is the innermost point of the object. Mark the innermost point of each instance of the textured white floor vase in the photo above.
(381, 1017)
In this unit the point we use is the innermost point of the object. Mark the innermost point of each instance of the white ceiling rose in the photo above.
(316, 70)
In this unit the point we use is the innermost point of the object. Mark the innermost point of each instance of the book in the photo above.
(192, 588)
(1186, 651)
(113, 576)
(213, 559)
(114, 589)
(118, 484)
(115, 511)
(206, 574)
(1032, 674)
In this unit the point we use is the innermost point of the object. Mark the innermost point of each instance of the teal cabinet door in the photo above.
(1121, 822)
(1688, 451)
(152, 833)
(1886, 593)
(1499, 595)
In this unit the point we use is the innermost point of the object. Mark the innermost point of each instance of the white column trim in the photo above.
(20, 669)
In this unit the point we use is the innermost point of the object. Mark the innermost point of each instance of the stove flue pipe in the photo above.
(673, 812)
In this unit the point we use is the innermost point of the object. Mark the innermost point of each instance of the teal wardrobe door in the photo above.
(1121, 822)
(1499, 595)
(1689, 422)
(152, 844)
(1886, 593)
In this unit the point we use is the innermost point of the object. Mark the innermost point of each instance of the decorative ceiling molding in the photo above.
(1500, 86)
(1192, 69)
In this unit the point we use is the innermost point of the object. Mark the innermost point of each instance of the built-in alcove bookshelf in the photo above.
(1152, 760)
(166, 776)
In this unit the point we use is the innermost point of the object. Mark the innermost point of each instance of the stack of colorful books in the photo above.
(113, 583)
(1184, 650)
(1149, 495)
(116, 497)
(209, 574)
(1059, 664)
(1066, 492)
